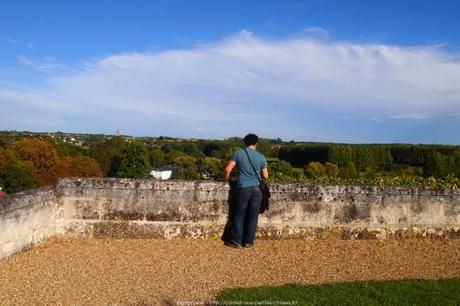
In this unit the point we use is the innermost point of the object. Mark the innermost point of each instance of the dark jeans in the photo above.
(246, 207)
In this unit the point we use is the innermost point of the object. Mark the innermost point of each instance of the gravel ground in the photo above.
(158, 271)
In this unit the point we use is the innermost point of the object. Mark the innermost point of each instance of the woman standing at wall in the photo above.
(252, 167)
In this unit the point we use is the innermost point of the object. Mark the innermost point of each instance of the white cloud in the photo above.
(413, 116)
(12, 41)
(294, 88)
(47, 64)
(317, 32)
(19, 43)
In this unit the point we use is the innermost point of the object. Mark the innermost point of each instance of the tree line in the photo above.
(40, 160)
(392, 159)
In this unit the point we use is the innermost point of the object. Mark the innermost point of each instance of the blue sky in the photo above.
(342, 71)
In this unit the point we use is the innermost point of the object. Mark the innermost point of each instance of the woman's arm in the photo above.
(265, 173)
(228, 170)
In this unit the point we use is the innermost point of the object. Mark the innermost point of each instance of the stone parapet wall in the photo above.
(108, 207)
(27, 218)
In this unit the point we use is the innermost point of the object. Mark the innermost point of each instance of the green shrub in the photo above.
(315, 169)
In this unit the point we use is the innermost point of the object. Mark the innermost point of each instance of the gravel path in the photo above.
(153, 271)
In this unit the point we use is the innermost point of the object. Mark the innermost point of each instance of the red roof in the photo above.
(2, 194)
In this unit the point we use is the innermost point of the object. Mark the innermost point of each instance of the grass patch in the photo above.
(402, 292)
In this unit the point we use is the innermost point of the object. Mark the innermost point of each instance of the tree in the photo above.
(349, 171)
(184, 166)
(314, 169)
(83, 166)
(42, 154)
(157, 158)
(437, 165)
(18, 176)
(68, 148)
(300, 155)
(331, 169)
(181, 159)
(229, 152)
(457, 163)
(7, 156)
(212, 166)
(107, 154)
(281, 167)
(134, 161)
(15, 174)
(341, 154)
(190, 173)
(265, 147)
(191, 148)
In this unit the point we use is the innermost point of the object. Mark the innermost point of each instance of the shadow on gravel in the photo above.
(227, 234)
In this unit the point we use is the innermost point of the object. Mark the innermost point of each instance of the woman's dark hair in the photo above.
(250, 139)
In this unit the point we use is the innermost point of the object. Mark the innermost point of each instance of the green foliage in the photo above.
(341, 154)
(433, 160)
(457, 163)
(181, 159)
(405, 170)
(229, 152)
(401, 292)
(315, 169)
(66, 148)
(107, 153)
(191, 148)
(209, 147)
(300, 155)
(349, 171)
(265, 147)
(190, 173)
(18, 176)
(449, 182)
(184, 166)
(134, 161)
(281, 167)
(298, 173)
(331, 169)
(440, 165)
(427, 165)
(157, 158)
(212, 167)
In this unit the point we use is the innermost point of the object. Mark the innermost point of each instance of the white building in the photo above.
(163, 173)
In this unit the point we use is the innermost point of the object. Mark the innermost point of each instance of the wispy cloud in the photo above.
(47, 64)
(411, 116)
(12, 41)
(19, 43)
(294, 88)
(316, 32)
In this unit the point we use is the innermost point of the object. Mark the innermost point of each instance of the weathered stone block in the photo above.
(121, 204)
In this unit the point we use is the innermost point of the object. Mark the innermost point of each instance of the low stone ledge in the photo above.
(196, 230)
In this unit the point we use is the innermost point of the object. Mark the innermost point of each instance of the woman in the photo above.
(252, 167)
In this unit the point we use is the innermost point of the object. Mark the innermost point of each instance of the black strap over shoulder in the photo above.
(263, 187)
(253, 168)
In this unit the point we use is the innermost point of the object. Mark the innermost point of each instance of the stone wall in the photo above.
(198, 209)
(27, 218)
